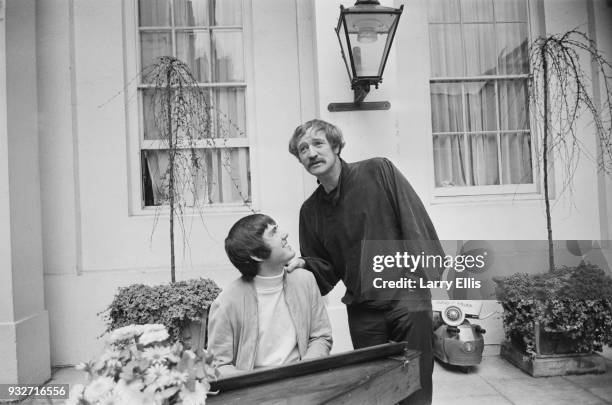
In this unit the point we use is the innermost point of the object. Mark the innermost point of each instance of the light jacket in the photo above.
(233, 322)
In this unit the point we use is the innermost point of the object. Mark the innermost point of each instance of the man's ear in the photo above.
(336, 150)
(257, 259)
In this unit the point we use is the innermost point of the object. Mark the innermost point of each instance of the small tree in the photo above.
(560, 93)
(183, 118)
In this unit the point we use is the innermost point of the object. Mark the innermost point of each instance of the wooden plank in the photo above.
(387, 380)
(389, 388)
(312, 366)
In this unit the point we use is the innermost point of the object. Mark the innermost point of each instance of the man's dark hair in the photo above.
(332, 133)
(245, 240)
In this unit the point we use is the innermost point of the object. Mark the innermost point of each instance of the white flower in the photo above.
(125, 394)
(177, 378)
(197, 397)
(153, 327)
(157, 354)
(155, 372)
(98, 389)
(123, 333)
(109, 361)
(153, 336)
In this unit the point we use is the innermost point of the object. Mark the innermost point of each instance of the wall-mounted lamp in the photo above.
(365, 32)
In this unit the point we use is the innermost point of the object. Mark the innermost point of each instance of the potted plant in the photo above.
(182, 307)
(555, 321)
(139, 366)
(567, 309)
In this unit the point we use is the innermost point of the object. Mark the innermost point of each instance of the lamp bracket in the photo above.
(367, 106)
(361, 90)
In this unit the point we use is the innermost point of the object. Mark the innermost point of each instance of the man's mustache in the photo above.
(314, 162)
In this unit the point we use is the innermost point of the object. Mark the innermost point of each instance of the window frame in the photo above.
(497, 191)
(135, 117)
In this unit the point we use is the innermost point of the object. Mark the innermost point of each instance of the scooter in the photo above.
(457, 341)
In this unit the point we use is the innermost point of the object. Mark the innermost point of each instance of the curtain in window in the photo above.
(481, 116)
(221, 178)
(474, 121)
(449, 150)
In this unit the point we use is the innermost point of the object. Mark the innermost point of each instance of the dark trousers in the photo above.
(370, 327)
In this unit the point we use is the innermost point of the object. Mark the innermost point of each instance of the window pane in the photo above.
(150, 129)
(513, 104)
(480, 114)
(230, 113)
(227, 175)
(449, 160)
(510, 10)
(220, 176)
(190, 13)
(194, 106)
(154, 45)
(512, 48)
(193, 47)
(516, 158)
(484, 167)
(443, 10)
(227, 12)
(476, 10)
(480, 49)
(228, 56)
(154, 13)
(446, 107)
(189, 177)
(446, 50)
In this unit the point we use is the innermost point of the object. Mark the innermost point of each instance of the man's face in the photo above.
(280, 250)
(316, 153)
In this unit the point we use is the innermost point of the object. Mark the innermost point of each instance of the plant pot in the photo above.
(193, 334)
(558, 342)
(542, 365)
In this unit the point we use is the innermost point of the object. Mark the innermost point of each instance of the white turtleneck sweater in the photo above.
(277, 343)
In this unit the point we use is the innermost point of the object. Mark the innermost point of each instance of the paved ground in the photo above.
(496, 381)
(493, 382)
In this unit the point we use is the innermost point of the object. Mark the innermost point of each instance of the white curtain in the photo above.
(220, 176)
(467, 116)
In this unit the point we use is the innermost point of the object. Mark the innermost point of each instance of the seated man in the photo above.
(267, 317)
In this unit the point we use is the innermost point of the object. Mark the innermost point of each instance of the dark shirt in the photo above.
(372, 201)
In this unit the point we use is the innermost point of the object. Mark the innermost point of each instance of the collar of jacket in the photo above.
(248, 344)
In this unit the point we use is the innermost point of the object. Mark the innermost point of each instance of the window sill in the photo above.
(215, 210)
(523, 192)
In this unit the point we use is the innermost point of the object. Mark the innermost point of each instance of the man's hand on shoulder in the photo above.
(295, 263)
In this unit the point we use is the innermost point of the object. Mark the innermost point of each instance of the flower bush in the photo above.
(575, 301)
(140, 367)
(172, 305)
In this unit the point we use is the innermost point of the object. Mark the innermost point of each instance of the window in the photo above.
(208, 36)
(479, 96)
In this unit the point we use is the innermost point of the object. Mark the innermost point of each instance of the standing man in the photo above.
(369, 200)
